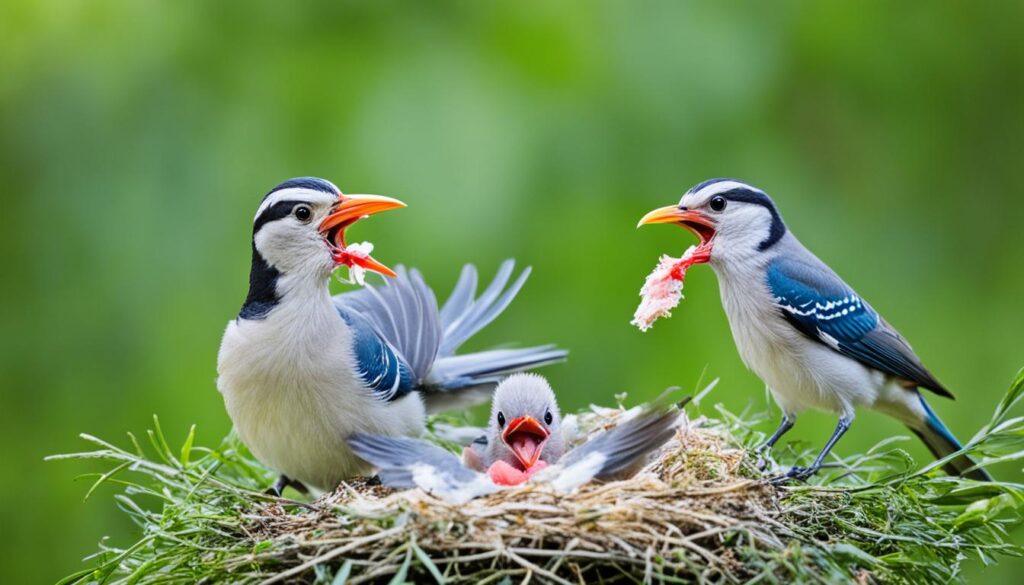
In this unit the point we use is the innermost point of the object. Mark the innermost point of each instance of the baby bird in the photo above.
(524, 437)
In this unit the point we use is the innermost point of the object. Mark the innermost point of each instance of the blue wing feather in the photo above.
(819, 304)
(377, 363)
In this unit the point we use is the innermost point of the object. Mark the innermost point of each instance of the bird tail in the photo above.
(464, 380)
(941, 442)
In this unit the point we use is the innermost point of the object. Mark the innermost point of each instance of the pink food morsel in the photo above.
(502, 473)
(349, 255)
(663, 288)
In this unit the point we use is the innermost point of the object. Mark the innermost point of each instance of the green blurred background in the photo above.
(137, 138)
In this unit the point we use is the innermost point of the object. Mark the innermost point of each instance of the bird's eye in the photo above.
(303, 213)
(717, 203)
(548, 418)
(501, 420)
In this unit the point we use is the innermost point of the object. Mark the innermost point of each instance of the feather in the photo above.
(404, 314)
(814, 300)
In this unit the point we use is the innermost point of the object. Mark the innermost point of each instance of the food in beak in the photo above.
(664, 286)
(526, 438)
(348, 210)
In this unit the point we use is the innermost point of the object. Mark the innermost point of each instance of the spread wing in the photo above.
(380, 367)
(819, 304)
(404, 313)
(617, 452)
(404, 462)
(399, 322)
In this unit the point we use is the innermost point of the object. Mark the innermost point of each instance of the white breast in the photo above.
(290, 388)
(801, 373)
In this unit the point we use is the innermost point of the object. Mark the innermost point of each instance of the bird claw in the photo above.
(794, 473)
(762, 459)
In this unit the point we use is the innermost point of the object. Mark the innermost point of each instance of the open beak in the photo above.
(348, 210)
(695, 221)
(526, 438)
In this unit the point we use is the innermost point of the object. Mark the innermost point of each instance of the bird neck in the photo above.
(269, 287)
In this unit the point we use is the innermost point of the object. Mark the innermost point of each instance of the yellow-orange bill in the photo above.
(667, 214)
(351, 208)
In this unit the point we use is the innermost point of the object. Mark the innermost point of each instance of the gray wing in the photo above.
(404, 463)
(621, 450)
(463, 316)
(404, 312)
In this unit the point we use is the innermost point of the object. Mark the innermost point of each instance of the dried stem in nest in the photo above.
(699, 511)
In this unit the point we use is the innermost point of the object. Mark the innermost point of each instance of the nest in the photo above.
(679, 516)
(700, 511)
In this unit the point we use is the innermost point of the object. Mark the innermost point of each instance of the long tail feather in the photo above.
(941, 442)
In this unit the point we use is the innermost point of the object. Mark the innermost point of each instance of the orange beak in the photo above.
(695, 221)
(348, 210)
(526, 438)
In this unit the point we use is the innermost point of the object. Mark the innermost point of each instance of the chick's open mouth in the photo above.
(526, 438)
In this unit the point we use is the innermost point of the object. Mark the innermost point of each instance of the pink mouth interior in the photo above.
(526, 445)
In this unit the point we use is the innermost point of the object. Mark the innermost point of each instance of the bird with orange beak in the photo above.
(525, 440)
(809, 336)
(300, 370)
(525, 432)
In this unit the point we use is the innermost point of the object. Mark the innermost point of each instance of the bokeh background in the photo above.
(137, 138)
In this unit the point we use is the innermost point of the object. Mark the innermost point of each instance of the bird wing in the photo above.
(404, 313)
(381, 368)
(814, 300)
(463, 316)
(616, 452)
(404, 462)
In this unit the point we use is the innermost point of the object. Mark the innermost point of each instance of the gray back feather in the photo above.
(627, 446)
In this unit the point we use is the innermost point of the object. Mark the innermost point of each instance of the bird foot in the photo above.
(762, 458)
(282, 482)
(795, 473)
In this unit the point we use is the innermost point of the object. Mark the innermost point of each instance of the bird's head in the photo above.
(300, 227)
(732, 219)
(525, 423)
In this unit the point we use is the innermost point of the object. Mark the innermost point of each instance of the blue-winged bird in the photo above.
(811, 338)
(301, 370)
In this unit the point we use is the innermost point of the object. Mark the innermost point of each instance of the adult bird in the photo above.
(301, 370)
(811, 338)
(524, 440)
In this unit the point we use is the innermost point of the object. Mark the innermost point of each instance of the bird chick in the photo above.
(511, 453)
(524, 434)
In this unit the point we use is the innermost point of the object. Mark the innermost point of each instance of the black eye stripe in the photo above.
(277, 211)
(743, 195)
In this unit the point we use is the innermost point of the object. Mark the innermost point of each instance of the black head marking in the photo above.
(279, 210)
(311, 183)
(746, 194)
(262, 295)
(709, 182)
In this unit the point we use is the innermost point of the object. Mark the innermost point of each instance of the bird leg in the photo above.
(284, 481)
(764, 448)
(802, 473)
